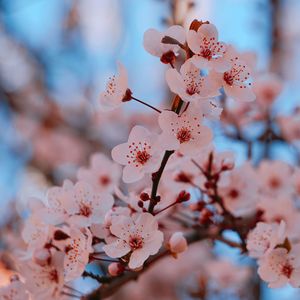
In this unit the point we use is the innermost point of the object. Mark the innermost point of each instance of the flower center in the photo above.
(275, 183)
(139, 153)
(233, 194)
(206, 53)
(228, 78)
(136, 242)
(104, 180)
(85, 210)
(142, 157)
(184, 135)
(53, 276)
(287, 270)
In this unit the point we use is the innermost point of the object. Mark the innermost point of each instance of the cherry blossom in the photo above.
(183, 132)
(44, 282)
(167, 52)
(85, 207)
(116, 91)
(102, 174)
(55, 211)
(289, 126)
(140, 155)
(267, 88)
(14, 291)
(35, 233)
(236, 81)
(209, 52)
(177, 243)
(265, 237)
(77, 249)
(190, 85)
(138, 236)
(277, 209)
(274, 178)
(280, 267)
(239, 196)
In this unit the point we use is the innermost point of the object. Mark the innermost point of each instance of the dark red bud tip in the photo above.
(141, 203)
(182, 177)
(183, 196)
(144, 196)
(157, 199)
(196, 24)
(168, 58)
(127, 96)
(59, 235)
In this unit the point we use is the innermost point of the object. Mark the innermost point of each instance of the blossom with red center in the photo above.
(183, 132)
(86, 207)
(116, 90)
(137, 235)
(77, 248)
(189, 84)
(44, 282)
(140, 155)
(239, 194)
(167, 52)
(280, 267)
(209, 52)
(236, 81)
(275, 178)
(102, 174)
(265, 237)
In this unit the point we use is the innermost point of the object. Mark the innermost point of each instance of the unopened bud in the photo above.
(177, 243)
(183, 196)
(115, 269)
(144, 196)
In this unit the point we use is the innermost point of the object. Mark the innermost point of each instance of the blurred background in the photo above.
(55, 57)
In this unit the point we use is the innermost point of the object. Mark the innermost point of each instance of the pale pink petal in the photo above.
(193, 41)
(138, 258)
(119, 152)
(177, 32)
(175, 81)
(117, 249)
(209, 31)
(239, 93)
(132, 173)
(152, 41)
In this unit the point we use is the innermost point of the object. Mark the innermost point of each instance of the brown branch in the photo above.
(106, 290)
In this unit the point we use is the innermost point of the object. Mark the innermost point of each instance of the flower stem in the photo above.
(144, 103)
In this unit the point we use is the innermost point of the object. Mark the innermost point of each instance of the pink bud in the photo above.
(177, 243)
(115, 269)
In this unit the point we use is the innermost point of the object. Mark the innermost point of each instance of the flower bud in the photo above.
(115, 269)
(183, 196)
(177, 243)
(144, 196)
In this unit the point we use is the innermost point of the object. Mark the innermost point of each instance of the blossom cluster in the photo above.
(167, 186)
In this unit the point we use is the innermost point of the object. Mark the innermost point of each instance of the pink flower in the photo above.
(77, 249)
(85, 207)
(209, 52)
(35, 233)
(115, 92)
(240, 195)
(14, 291)
(138, 236)
(177, 243)
(275, 178)
(189, 84)
(236, 81)
(267, 88)
(290, 127)
(264, 238)
(280, 267)
(103, 174)
(281, 208)
(183, 132)
(44, 282)
(55, 212)
(167, 52)
(140, 155)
